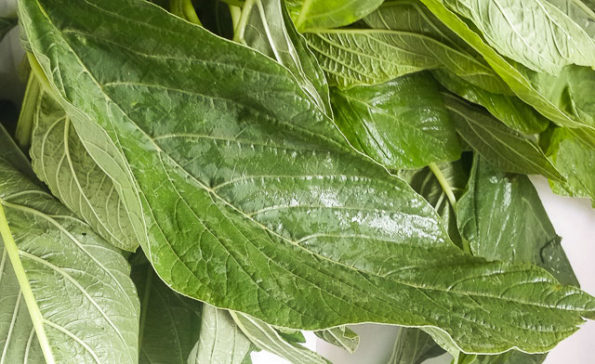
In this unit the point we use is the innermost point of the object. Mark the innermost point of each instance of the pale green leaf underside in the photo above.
(401, 123)
(87, 302)
(340, 336)
(221, 341)
(251, 200)
(532, 32)
(60, 160)
(265, 337)
(371, 56)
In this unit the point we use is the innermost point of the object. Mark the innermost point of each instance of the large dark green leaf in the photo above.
(519, 79)
(413, 346)
(270, 30)
(243, 194)
(61, 161)
(532, 32)
(169, 323)
(508, 109)
(401, 123)
(329, 13)
(65, 294)
(574, 160)
(503, 147)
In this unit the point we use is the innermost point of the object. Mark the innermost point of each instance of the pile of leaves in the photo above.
(190, 181)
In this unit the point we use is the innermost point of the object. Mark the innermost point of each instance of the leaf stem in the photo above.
(36, 317)
(443, 183)
(144, 308)
(241, 27)
(185, 9)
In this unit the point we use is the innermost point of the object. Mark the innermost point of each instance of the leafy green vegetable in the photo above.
(501, 146)
(225, 181)
(401, 123)
(66, 295)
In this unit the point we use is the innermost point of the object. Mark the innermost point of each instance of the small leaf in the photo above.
(401, 124)
(503, 147)
(329, 13)
(169, 323)
(221, 341)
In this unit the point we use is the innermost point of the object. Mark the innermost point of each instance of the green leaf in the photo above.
(412, 17)
(247, 183)
(169, 323)
(519, 79)
(489, 213)
(6, 24)
(574, 160)
(60, 160)
(265, 337)
(340, 336)
(508, 109)
(401, 123)
(221, 341)
(533, 32)
(510, 357)
(580, 12)
(413, 346)
(353, 56)
(270, 30)
(65, 293)
(503, 147)
(329, 13)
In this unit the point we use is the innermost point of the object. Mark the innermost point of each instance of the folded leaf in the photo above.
(401, 123)
(221, 341)
(340, 336)
(265, 337)
(532, 32)
(60, 160)
(503, 147)
(508, 109)
(169, 323)
(248, 198)
(329, 13)
(270, 30)
(65, 293)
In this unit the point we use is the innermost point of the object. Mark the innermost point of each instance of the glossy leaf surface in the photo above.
(239, 182)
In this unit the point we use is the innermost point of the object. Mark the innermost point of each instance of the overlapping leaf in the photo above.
(401, 123)
(65, 294)
(248, 198)
(329, 13)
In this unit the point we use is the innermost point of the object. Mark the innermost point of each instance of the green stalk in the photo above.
(184, 9)
(241, 27)
(34, 312)
(443, 183)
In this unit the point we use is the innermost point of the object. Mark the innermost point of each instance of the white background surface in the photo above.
(574, 221)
